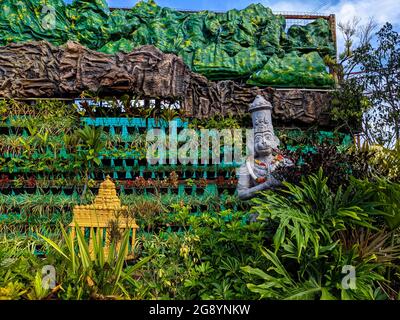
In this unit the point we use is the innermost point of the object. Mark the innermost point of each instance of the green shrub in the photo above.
(312, 242)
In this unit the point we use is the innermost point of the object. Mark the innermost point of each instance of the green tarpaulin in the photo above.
(293, 70)
(236, 44)
(311, 37)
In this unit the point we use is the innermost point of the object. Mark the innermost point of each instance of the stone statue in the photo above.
(257, 173)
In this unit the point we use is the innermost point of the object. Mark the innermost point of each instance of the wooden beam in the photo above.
(303, 16)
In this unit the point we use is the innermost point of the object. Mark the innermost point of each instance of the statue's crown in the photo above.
(262, 124)
(260, 103)
(261, 110)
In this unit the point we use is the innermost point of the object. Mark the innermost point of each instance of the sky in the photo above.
(381, 10)
(345, 10)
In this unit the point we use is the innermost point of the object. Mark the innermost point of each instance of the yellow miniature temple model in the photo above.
(99, 215)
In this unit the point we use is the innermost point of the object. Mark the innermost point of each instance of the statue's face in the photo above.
(264, 143)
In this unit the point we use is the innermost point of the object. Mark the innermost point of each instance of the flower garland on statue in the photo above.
(277, 161)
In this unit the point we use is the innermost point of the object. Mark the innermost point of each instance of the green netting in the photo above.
(293, 70)
(231, 45)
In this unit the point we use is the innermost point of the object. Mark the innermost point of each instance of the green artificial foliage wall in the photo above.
(239, 44)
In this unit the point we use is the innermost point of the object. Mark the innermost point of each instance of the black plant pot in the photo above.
(5, 190)
(4, 130)
(106, 162)
(142, 130)
(194, 209)
(79, 189)
(139, 191)
(128, 191)
(174, 228)
(98, 175)
(55, 190)
(231, 190)
(14, 130)
(200, 190)
(118, 162)
(164, 190)
(188, 190)
(130, 162)
(18, 190)
(132, 130)
(30, 190)
(118, 130)
(151, 190)
(94, 190)
(203, 207)
(121, 175)
(147, 175)
(45, 190)
(221, 189)
(40, 252)
(68, 190)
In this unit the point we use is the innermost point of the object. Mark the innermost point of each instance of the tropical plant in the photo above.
(202, 259)
(309, 249)
(97, 274)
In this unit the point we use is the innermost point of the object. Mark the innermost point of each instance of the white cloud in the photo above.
(382, 11)
(290, 6)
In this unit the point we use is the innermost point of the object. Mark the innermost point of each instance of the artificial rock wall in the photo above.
(41, 70)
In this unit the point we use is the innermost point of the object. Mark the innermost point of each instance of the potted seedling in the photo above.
(5, 184)
(168, 115)
(30, 185)
(221, 185)
(163, 185)
(142, 161)
(189, 183)
(78, 183)
(18, 185)
(151, 186)
(139, 184)
(57, 185)
(129, 186)
(231, 184)
(4, 181)
(43, 185)
(173, 180)
(132, 130)
(93, 186)
(68, 189)
(118, 130)
(201, 185)
(220, 181)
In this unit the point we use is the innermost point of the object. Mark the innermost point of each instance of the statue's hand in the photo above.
(272, 182)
